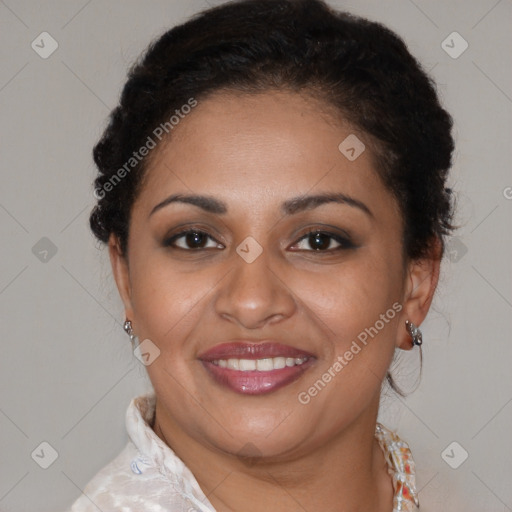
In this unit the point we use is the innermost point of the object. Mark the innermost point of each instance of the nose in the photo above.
(255, 294)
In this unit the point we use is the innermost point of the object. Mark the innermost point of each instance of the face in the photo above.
(267, 268)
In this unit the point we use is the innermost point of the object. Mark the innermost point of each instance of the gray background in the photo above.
(67, 371)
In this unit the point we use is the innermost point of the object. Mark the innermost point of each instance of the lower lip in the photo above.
(254, 382)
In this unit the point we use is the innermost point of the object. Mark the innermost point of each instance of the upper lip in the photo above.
(243, 349)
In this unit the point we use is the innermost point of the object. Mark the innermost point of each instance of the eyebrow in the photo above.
(289, 207)
(302, 203)
(209, 204)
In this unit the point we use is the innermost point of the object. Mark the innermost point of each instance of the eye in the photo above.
(193, 239)
(322, 241)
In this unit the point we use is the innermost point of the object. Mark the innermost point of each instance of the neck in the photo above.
(349, 473)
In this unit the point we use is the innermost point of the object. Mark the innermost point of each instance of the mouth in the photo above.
(255, 368)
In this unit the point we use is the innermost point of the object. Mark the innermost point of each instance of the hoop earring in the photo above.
(129, 330)
(415, 333)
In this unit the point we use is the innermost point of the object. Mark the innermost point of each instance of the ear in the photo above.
(421, 282)
(121, 274)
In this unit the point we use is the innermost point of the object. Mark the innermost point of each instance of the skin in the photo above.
(253, 153)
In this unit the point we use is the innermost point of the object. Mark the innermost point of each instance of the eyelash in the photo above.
(345, 242)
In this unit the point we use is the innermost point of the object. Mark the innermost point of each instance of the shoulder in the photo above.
(146, 475)
(122, 482)
(401, 467)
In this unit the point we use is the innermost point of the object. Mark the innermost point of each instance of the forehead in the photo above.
(263, 147)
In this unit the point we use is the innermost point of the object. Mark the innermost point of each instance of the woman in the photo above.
(272, 190)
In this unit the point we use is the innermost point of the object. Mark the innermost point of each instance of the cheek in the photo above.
(356, 307)
(351, 294)
(166, 299)
(357, 312)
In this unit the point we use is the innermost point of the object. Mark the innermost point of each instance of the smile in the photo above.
(255, 368)
(261, 365)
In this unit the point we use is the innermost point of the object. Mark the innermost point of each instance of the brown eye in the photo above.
(321, 241)
(192, 239)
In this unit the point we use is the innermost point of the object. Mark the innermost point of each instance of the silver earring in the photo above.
(129, 330)
(414, 332)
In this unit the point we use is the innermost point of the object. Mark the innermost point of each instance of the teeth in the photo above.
(233, 364)
(247, 364)
(279, 362)
(262, 365)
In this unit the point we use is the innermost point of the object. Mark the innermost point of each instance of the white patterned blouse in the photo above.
(148, 476)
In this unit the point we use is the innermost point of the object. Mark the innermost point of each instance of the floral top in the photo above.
(148, 476)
